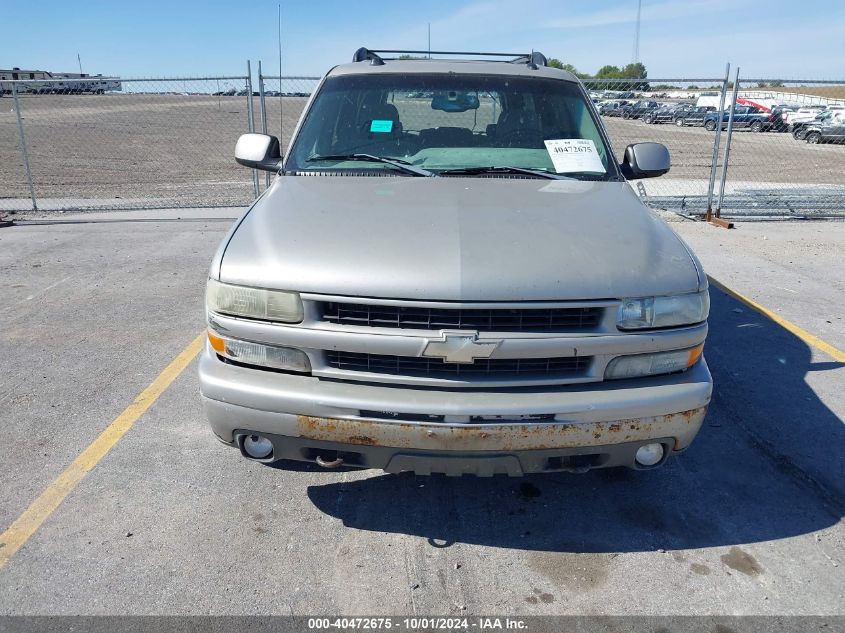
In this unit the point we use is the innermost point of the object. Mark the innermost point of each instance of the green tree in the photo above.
(635, 70)
(609, 71)
(556, 63)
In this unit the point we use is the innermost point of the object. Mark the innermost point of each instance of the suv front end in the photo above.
(471, 322)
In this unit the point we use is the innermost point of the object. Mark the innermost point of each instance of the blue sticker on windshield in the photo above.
(380, 125)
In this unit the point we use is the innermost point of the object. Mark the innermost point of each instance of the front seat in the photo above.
(515, 119)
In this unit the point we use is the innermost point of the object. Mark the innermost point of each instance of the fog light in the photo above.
(259, 447)
(650, 454)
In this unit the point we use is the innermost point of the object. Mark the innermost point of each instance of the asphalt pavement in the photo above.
(170, 521)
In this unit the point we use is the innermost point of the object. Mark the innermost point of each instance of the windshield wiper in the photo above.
(469, 171)
(400, 164)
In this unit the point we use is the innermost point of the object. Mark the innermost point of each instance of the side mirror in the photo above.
(645, 160)
(259, 151)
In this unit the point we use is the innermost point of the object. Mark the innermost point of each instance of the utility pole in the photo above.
(79, 59)
(636, 54)
(429, 40)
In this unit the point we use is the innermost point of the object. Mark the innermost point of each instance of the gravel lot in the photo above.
(154, 150)
(748, 521)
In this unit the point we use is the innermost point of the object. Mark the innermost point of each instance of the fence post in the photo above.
(263, 110)
(24, 150)
(727, 145)
(250, 120)
(713, 162)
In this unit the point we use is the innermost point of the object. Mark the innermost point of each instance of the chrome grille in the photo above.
(502, 368)
(482, 320)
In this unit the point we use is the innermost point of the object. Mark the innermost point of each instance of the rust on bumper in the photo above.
(502, 437)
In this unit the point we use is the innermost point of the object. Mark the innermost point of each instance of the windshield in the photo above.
(450, 122)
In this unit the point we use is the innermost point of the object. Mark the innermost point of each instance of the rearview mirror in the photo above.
(455, 101)
(259, 151)
(645, 160)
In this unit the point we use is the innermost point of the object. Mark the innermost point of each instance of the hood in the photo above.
(457, 239)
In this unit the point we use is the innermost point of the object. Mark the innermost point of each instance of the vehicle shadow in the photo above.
(765, 466)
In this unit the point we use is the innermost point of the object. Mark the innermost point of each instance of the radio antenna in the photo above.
(281, 92)
(636, 54)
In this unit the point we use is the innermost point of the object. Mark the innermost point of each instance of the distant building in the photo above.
(46, 82)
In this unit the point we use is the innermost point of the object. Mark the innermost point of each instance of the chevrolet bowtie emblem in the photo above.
(459, 347)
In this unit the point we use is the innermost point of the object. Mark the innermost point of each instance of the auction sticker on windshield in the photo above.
(574, 154)
(379, 125)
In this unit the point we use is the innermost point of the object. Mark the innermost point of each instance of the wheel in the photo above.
(797, 134)
(710, 126)
(679, 122)
(814, 138)
(648, 119)
(626, 115)
(756, 126)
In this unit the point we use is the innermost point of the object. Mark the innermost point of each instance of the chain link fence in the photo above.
(135, 143)
(283, 100)
(786, 150)
(157, 143)
(662, 111)
(772, 170)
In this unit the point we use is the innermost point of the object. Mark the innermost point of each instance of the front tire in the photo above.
(679, 122)
(710, 126)
(756, 126)
(814, 138)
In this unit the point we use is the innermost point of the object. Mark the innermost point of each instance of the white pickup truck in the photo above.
(802, 115)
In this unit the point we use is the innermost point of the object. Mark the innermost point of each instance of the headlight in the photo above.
(638, 365)
(286, 358)
(655, 312)
(253, 303)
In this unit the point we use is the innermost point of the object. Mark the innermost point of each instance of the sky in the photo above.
(782, 39)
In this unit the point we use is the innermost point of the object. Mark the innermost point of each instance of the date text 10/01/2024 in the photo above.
(413, 624)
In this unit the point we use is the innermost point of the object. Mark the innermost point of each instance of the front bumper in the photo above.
(374, 426)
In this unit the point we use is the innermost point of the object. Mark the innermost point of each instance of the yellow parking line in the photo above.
(28, 523)
(801, 333)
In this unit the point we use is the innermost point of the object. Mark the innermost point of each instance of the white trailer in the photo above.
(45, 82)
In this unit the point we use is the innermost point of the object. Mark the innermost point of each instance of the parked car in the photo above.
(831, 130)
(799, 128)
(804, 114)
(694, 117)
(613, 108)
(388, 304)
(779, 123)
(639, 109)
(667, 113)
(745, 117)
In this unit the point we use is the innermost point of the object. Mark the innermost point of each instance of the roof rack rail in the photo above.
(534, 59)
(363, 54)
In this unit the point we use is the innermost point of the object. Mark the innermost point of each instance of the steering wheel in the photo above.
(520, 137)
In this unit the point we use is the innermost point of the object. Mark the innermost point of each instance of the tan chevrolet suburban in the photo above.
(451, 274)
